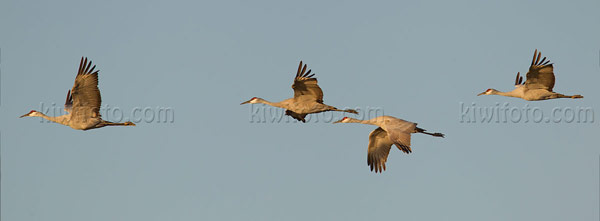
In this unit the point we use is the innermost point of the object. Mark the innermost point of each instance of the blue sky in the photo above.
(414, 60)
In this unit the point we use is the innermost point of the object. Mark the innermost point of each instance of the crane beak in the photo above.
(482, 93)
(339, 121)
(246, 102)
(25, 115)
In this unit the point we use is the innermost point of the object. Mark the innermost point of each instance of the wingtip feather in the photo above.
(299, 69)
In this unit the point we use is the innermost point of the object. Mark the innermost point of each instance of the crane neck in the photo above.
(512, 93)
(63, 119)
(274, 104)
(353, 120)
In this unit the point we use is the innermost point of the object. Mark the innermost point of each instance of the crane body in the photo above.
(308, 97)
(390, 131)
(539, 84)
(83, 102)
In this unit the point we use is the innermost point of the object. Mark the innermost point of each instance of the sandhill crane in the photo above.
(83, 102)
(539, 83)
(308, 97)
(391, 130)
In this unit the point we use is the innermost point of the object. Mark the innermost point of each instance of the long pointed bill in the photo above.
(245, 102)
(24, 115)
(482, 93)
(339, 121)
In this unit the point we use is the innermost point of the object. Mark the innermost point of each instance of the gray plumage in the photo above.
(539, 84)
(390, 131)
(83, 102)
(308, 97)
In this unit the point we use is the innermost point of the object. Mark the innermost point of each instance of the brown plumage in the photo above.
(539, 84)
(390, 131)
(82, 103)
(308, 97)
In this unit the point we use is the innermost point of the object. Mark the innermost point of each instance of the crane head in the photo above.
(343, 120)
(488, 92)
(31, 113)
(253, 100)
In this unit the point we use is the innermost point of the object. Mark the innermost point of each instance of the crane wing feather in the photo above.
(85, 95)
(299, 117)
(69, 102)
(541, 73)
(401, 140)
(379, 149)
(519, 80)
(399, 131)
(305, 85)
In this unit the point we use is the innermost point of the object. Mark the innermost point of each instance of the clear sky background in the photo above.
(415, 60)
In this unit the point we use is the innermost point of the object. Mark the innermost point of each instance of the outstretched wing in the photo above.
(541, 73)
(379, 148)
(85, 95)
(305, 85)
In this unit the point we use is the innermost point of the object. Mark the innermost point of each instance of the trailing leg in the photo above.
(557, 95)
(108, 123)
(423, 131)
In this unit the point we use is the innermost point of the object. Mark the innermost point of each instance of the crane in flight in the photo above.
(83, 102)
(539, 83)
(390, 131)
(308, 97)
